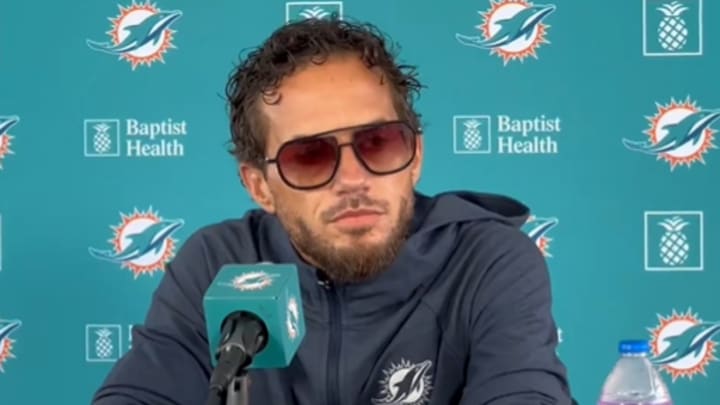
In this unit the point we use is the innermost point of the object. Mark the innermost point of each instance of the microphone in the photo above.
(254, 320)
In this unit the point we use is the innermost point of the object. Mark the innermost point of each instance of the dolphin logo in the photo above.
(689, 342)
(8, 122)
(254, 280)
(147, 31)
(7, 327)
(150, 240)
(409, 387)
(689, 129)
(537, 227)
(520, 25)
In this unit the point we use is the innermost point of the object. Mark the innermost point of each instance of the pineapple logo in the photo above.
(472, 138)
(679, 133)
(101, 140)
(511, 29)
(142, 242)
(674, 246)
(102, 137)
(7, 327)
(672, 28)
(472, 134)
(139, 34)
(673, 240)
(315, 12)
(304, 10)
(6, 123)
(102, 343)
(537, 229)
(682, 344)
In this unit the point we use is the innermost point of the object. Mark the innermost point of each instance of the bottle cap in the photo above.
(634, 347)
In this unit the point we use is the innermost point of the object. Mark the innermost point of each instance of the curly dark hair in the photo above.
(289, 47)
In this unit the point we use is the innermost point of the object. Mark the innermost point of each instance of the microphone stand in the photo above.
(237, 392)
(243, 335)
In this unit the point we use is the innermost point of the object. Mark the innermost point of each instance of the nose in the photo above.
(350, 172)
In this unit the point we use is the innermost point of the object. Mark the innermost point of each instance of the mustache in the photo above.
(355, 202)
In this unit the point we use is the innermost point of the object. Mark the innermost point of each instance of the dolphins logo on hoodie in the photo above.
(680, 133)
(6, 123)
(537, 229)
(682, 344)
(511, 29)
(7, 327)
(406, 383)
(142, 242)
(140, 34)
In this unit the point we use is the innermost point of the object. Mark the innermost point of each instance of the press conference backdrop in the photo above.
(601, 116)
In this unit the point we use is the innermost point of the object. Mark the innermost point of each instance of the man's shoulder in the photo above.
(488, 239)
(226, 241)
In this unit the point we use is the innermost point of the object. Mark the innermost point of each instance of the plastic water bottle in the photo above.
(634, 380)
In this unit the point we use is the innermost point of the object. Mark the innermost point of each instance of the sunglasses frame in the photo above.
(352, 144)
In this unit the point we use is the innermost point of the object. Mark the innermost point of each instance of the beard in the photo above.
(361, 261)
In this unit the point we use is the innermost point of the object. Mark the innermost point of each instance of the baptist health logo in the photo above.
(6, 124)
(674, 241)
(538, 230)
(672, 28)
(163, 139)
(104, 343)
(142, 242)
(680, 133)
(511, 29)
(682, 344)
(502, 134)
(139, 34)
(7, 328)
(303, 10)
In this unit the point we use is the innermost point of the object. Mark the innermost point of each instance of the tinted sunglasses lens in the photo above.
(387, 147)
(308, 162)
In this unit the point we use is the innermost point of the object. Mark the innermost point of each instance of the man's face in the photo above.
(353, 226)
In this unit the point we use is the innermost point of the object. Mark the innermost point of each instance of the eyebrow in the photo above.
(368, 123)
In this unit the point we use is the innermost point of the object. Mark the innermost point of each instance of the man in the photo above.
(408, 299)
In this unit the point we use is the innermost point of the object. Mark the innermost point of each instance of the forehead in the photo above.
(341, 92)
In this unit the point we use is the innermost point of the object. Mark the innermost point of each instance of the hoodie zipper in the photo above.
(333, 360)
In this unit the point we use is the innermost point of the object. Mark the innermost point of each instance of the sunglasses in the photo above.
(312, 162)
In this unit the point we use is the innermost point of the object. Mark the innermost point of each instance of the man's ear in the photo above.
(254, 180)
(416, 166)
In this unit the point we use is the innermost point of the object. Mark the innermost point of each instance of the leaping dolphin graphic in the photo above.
(690, 129)
(8, 122)
(142, 243)
(7, 327)
(538, 227)
(147, 31)
(691, 341)
(409, 383)
(523, 23)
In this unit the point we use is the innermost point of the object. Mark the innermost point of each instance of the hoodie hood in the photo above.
(434, 236)
(460, 206)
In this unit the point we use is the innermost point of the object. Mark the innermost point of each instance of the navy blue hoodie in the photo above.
(462, 317)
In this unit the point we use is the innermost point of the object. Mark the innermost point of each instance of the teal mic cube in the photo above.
(271, 292)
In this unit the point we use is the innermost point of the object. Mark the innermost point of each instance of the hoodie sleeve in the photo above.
(169, 361)
(513, 334)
